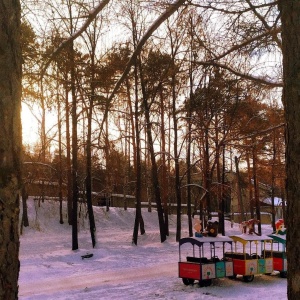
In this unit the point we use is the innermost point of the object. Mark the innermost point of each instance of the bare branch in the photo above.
(264, 22)
(91, 16)
(231, 11)
(256, 134)
(259, 80)
(272, 31)
(169, 11)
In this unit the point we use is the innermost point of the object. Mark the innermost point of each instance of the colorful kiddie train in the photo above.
(208, 256)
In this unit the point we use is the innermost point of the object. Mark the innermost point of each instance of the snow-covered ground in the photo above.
(118, 269)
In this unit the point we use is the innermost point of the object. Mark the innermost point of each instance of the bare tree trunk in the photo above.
(206, 176)
(88, 181)
(138, 169)
(154, 169)
(290, 12)
(164, 187)
(273, 182)
(239, 190)
(127, 161)
(256, 188)
(43, 125)
(220, 184)
(176, 162)
(154, 172)
(59, 167)
(10, 146)
(133, 138)
(25, 221)
(188, 174)
(189, 135)
(74, 155)
(69, 168)
(250, 186)
(138, 193)
(139, 222)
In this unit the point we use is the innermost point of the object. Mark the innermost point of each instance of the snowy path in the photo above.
(78, 282)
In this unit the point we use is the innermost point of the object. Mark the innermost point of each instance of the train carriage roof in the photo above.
(199, 241)
(278, 238)
(245, 238)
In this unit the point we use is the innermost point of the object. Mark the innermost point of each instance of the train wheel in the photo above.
(232, 277)
(187, 281)
(207, 282)
(201, 283)
(283, 274)
(248, 278)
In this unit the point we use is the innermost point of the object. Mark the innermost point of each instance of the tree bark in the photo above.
(138, 168)
(10, 146)
(74, 156)
(189, 136)
(69, 168)
(88, 181)
(164, 187)
(176, 164)
(59, 165)
(290, 12)
(256, 187)
(25, 221)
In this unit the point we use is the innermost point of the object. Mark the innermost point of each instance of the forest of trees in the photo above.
(187, 113)
(162, 96)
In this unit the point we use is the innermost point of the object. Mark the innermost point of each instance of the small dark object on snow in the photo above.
(87, 255)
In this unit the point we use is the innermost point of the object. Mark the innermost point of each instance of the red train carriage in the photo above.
(203, 263)
(279, 254)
